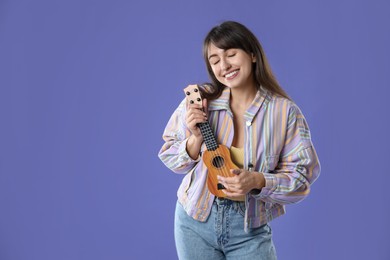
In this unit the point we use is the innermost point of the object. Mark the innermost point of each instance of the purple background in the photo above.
(86, 88)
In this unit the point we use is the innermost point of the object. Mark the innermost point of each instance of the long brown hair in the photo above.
(232, 34)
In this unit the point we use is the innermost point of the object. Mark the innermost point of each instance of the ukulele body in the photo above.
(217, 156)
(218, 162)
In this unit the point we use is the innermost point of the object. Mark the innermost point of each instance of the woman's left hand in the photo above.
(242, 183)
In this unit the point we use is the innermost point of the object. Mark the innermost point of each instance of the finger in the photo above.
(196, 113)
(236, 171)
(237, 188)
(231, 187)
(193, 121)
(229, 180)
(195, 106)
(223, 182)
(221, 179)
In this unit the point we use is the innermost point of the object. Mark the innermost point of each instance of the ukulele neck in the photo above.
(208, 136)
(193, 97)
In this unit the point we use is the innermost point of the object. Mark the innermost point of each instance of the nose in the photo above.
(225, 65)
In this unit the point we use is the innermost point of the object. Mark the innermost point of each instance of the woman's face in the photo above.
(231, 67)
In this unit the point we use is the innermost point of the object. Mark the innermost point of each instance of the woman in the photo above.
(268, 138)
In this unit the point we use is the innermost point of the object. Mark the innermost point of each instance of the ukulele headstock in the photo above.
(193, 96)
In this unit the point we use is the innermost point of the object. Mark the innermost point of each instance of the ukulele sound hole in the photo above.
(218, 161)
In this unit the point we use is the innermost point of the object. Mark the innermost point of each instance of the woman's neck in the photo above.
(242, 98)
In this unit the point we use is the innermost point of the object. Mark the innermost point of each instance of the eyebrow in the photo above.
(213, 55)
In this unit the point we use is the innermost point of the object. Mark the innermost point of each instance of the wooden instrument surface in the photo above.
(217, 158)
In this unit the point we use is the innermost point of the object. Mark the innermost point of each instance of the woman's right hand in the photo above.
(194, 116)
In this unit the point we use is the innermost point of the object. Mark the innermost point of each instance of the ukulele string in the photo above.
(219, 160)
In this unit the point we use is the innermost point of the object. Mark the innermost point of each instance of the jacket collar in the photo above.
(223, 103)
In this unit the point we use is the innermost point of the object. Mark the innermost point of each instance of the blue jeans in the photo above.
(222, 236)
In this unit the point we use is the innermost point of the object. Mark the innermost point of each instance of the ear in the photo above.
(253, 58)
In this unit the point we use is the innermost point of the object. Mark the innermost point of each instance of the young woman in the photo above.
(268, 138)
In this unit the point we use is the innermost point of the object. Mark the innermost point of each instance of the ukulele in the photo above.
(217, 157)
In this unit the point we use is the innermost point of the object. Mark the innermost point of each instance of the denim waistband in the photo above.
(227, 202)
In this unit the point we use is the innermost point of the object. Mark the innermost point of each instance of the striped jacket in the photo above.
(277, 143)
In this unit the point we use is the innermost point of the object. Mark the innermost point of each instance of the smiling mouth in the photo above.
(231, 75)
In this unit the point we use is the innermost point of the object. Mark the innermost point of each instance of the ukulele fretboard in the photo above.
(208, 136)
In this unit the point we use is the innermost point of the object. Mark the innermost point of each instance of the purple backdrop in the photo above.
(86, 88)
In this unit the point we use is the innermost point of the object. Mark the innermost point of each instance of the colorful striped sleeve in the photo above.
(297, 166)
(173, 153)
